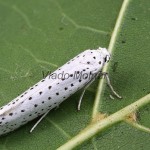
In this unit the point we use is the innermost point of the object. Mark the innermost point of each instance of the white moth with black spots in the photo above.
(50, 92)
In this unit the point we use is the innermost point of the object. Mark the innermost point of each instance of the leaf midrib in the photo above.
(101, 85)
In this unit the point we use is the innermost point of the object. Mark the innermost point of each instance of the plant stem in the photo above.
(97, 127)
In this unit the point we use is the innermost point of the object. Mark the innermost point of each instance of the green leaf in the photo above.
(39, 36)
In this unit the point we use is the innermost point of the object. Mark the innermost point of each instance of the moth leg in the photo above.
(109, 84)
(87, 85)
(39, 121)
(80, 100)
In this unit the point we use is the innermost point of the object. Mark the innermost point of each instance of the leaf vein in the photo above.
(116, 29)
(36, 59)
(77, 26)
(23, 15)
(59, 128)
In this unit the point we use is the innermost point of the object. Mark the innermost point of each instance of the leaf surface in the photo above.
(39, 36)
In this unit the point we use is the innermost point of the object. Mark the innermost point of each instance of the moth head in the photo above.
(105, 54)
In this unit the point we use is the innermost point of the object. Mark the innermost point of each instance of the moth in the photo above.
(48, 93)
